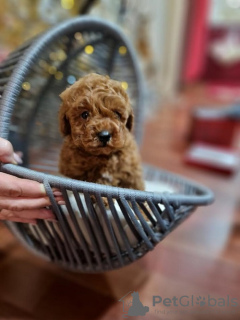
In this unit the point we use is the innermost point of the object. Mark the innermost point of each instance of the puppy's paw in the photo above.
(105, 202)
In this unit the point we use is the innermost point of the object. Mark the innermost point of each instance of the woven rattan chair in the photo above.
(87, 237)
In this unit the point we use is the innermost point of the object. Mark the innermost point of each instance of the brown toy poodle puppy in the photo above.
(96, 120)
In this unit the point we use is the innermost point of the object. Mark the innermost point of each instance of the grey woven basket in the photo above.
(87, 237)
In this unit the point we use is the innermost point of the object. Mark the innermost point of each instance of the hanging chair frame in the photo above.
(71, 249)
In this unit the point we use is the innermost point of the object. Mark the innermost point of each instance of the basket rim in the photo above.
(203, 196)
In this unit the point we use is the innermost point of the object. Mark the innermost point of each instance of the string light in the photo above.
(58, 75)
(89, 49)
(52, 70)
(43, 64)
(67, 4)
(71, 79)
(78, 36)
(81, 65)
(53, 56)
(124, 85)
(61, 55)
(26, 86)
(122, 50)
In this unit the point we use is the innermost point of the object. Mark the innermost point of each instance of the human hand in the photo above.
(22, 200)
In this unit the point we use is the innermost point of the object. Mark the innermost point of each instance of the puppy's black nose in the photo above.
(104, 136)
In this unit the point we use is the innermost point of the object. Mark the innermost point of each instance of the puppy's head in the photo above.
(97, 114)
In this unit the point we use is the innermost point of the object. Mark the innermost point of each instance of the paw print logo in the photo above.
(201, 301)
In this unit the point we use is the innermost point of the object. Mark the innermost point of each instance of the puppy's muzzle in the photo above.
(104, 136)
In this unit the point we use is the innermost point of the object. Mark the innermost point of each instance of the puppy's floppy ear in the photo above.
(130, 121)
(65, 94)
(64, 124)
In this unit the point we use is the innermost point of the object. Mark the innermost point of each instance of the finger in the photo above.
(13, 219)
(6, 152)
(28, 214)
(16, 187)
(57, 192)
(59, 199)
(11, 186)
(19, 153)
(19, 204)
(17, 158)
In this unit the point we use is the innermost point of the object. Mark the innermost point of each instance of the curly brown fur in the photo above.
(90, 106)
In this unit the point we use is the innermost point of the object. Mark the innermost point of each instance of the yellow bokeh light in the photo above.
(124, 85)
(89, 49)
(83, 66)
(52, 70)
(78, 36)
(43, 64)
(58, 75)
(67, 4)
(122, 50)
(53, 56)
(61, 55)
(26, 86)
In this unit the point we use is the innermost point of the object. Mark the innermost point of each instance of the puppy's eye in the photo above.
(118, 114)
(85, 115)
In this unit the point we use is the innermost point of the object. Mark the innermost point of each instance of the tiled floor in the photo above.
(201, 258)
